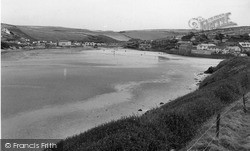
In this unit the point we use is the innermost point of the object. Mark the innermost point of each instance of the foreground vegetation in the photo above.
(172, 125)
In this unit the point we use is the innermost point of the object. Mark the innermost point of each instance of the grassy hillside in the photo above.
(154, 34)
(60, 33)
(172, 125)
(234, 130)
(115, 35)
(51, 33)
(16, 33)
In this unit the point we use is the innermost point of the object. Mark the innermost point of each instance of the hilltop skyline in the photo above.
(119, 15)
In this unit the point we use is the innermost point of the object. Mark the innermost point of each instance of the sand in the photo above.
(60, 93)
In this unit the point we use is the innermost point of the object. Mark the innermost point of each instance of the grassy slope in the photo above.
(172, 125)
(234, 131)
(16, 31)
(61, 33)
(154, 34)
(56, 33)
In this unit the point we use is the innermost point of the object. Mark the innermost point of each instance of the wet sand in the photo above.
(55, 94)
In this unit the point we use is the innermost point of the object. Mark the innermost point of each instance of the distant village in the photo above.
(198, 43)
(25, 43)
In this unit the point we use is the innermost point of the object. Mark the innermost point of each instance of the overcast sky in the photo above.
(120, 14)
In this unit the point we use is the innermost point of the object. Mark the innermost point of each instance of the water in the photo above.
(58, 95)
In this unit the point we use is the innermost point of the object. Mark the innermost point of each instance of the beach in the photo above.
(60, 93)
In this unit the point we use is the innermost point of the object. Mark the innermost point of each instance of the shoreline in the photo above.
(96, 115)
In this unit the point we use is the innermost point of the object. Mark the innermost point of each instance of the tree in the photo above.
(245, 36)
(219, 36)
(188, 36)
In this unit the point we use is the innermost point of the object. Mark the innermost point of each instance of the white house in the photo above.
(6, 30)
(204, 46)
(245, 46)
(64, 43)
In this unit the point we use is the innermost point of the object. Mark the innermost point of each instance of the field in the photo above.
(174, 124)
(51, 33)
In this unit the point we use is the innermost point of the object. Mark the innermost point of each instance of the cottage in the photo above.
(5, 30)
(145, 46)
(179, 43)
(234, 49)
(185, 49)
(245, 46)
(64, 43)
(179, 37)
(204, 46)
(215, 49)
(89, 43)
(193, 39)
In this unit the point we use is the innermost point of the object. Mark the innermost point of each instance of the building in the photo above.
(185, 49)
(5, 30)
(145, 46)
(245, 46)
(215, 49)
(204, 46)
(234, 49)
(179, 37)
(64, 43)
(89, 44)
(179, 43)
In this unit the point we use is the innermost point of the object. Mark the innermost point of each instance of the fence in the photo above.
(217, 125)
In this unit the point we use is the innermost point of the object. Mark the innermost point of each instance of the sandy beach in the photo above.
(60, 93)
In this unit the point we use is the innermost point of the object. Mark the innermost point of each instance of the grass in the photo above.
(172, 125)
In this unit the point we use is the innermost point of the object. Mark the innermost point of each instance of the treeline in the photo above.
(172, 125)
(161, 44)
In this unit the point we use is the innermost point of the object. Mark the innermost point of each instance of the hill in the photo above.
(59, 33)
(155, 34)
(229, 31)
(15, 33)
(50, 33)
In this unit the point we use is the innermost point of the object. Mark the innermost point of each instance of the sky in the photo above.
(118, 15)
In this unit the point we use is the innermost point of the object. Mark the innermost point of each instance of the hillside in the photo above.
(50, 33)
(174, 124)
(16, 33)
(229, 31)
(58, 33)
(155, 34)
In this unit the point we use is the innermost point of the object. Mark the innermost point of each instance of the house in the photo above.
(182, 42)
(234, 49)
(193, 39)
(224, 40)
(204, 46)
(179, 37)
(185, 48)
(245, 46)
(64, 43)
(5, 30)
(145, 46)
(215, 49)
(89, 44)
(77, 43)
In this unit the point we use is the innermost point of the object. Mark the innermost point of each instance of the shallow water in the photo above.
(58, 95)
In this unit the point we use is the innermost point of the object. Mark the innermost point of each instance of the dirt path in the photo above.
(234, 132)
